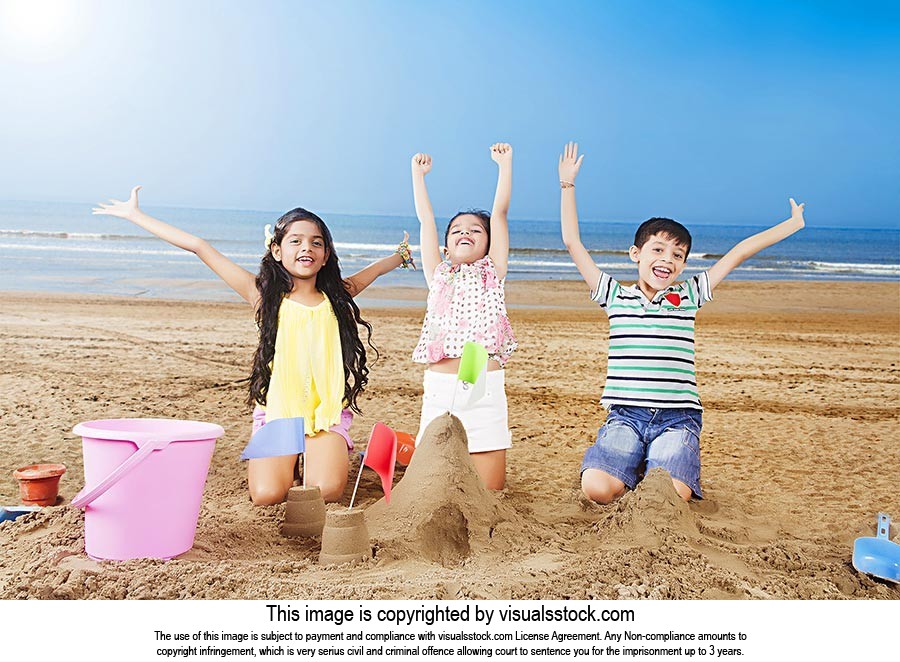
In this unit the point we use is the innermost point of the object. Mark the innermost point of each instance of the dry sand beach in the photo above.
(800, 381)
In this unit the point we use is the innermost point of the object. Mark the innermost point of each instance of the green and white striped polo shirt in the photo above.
(651, 343)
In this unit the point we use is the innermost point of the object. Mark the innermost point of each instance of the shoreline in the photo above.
(539, 294)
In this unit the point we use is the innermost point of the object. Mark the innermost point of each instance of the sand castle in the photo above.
(345, 538)
(304, 513)
(440, 510)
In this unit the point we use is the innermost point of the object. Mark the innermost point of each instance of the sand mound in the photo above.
(651, 513)
(440, 510)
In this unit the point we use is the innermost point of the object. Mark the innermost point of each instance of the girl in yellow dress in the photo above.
(310, 363)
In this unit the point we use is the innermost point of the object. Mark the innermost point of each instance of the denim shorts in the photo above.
(634, 440)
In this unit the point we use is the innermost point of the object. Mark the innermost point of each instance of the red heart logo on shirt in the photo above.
(674, 298)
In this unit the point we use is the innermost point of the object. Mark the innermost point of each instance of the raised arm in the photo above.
(366, 276)
(569, 165)
(753, 245)
(236, 277)
(501, 153)
(429, 245)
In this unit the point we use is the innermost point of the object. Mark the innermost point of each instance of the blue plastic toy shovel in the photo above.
(878, 556)
(8, 513)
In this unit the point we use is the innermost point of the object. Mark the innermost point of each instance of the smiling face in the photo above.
(303, 250)
(467, 239)
(660, 262)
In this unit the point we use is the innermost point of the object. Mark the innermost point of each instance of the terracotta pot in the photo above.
(39, 483)
(345, 537)
(304, 513)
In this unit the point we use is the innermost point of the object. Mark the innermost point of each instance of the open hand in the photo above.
(569, 163)
(118, 208)
(797, 212)
(421, 163)
(501, 153)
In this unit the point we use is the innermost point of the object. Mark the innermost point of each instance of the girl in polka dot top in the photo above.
(466, 302)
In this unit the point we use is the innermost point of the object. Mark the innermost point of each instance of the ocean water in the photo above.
(51, 246)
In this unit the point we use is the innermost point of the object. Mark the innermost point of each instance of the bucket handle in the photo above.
(85, 496)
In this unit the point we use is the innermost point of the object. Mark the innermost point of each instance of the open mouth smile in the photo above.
(662, 273)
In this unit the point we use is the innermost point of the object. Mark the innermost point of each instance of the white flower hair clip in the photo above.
(269, 236)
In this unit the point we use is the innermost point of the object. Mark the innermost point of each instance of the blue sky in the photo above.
(709, 112)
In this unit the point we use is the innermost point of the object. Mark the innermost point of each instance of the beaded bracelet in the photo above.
(405, 255)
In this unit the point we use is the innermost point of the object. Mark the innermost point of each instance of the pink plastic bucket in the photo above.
(144, 480)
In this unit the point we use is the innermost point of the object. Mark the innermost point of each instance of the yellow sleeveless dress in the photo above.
(308, 367)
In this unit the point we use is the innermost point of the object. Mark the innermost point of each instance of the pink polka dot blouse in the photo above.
(466, 302)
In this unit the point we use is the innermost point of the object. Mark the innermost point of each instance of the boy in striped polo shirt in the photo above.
(655, 415)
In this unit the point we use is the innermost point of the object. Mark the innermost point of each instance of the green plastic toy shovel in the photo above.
(472, 373)
(472, 362)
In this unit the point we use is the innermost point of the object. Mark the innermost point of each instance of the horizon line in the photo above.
(896, 226)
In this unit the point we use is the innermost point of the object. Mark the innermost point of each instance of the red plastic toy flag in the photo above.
(381, 455)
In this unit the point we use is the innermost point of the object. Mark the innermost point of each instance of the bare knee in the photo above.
(327, 463)
(600, 494)
(267, 494)
(683, 490)
(491, 468)
(600, 487)
(270, 478)
(331, 487)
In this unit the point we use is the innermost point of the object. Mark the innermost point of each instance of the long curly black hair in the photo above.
(274, 283)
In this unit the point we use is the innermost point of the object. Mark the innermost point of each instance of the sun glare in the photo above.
(37, 30)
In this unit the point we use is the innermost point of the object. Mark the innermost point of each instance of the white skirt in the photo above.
(486, 421)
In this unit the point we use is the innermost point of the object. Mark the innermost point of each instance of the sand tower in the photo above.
(440, 510)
